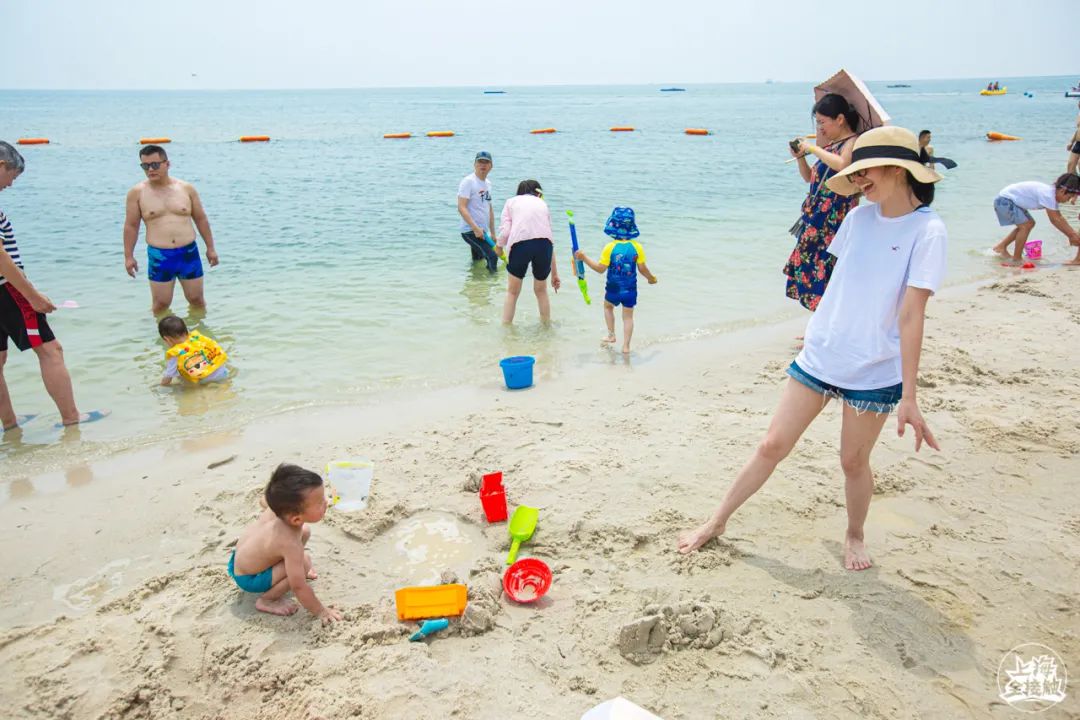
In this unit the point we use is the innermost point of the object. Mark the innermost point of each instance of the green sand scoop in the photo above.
(522, 525)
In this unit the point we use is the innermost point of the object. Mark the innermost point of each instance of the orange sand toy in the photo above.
(417, 603)
(441, 133)
(154, 141)
(254, 138)
(542, 131)
(622, 128)
(33, 141)
(1000, 136)
(696, 131)
(397, 136)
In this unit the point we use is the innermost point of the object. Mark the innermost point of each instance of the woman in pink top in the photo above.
(525, 234)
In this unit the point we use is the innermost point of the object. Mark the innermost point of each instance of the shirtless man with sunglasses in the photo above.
(168, 206)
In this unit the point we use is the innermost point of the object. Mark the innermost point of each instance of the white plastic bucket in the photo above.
(351, 482)
(618, 709)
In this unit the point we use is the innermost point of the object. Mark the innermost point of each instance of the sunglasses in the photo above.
(152, 165)
(858, 174)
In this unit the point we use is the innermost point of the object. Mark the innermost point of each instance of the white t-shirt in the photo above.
(1031, 195)
(853, 339)
(479, 194)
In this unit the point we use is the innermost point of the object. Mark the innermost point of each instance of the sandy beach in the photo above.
(116, 603)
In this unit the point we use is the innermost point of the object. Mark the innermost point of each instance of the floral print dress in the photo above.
(810, 265)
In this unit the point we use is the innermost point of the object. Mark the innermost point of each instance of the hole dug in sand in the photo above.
(419, 548)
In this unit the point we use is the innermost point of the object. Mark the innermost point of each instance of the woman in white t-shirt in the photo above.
(863, 343)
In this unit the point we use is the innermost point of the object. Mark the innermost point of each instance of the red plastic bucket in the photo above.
(527, 580)
(493, 497)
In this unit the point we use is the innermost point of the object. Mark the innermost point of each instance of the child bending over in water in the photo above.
(270, 558)
(863, 343)
(1013, 203)
(622, 258)
(191, 355)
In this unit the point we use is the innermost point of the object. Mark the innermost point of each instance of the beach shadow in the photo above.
(895, 624)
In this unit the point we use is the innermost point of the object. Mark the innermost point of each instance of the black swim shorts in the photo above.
(536, 252)
(18, 321)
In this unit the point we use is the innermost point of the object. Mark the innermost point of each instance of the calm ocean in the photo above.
(342, 272)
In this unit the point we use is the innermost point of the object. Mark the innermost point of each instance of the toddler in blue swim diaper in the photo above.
(623, 258)
(270, 558)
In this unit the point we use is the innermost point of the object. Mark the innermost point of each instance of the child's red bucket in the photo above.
(493, 497)
(527, 580)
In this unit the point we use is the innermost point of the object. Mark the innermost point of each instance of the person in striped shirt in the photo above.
(22, 319)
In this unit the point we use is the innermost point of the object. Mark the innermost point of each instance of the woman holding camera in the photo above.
(810, 265)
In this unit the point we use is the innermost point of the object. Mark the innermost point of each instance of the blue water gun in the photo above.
(579, 265)
(487, 236)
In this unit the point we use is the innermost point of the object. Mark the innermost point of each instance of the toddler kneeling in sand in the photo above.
(269, 557)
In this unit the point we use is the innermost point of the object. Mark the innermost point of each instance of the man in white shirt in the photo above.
(477, 214)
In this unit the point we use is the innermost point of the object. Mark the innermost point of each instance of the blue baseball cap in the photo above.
(483, 155)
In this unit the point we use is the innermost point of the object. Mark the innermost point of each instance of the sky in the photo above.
(227, 44)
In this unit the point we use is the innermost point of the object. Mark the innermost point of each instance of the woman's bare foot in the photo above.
(855, 555)
(281, 606)
(607, 339)
(625, 349)
(312, 574)
(691, 540)
(1074, 261)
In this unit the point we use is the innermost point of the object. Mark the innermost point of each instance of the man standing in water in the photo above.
(477, 215)
(22, 319)
(167, 206)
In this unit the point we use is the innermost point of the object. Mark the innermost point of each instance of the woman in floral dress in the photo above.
(810, 264)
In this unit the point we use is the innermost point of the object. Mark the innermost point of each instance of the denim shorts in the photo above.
(881, 401)
(1009, 213)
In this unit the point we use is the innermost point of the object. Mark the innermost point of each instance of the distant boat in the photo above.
(672, 89)
(898, 85)
(769, 81)
(1072, 93)
(494, 92)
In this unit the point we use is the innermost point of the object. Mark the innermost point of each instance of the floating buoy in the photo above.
(696, 131)
(441, 133)
(254, 138)
(33, 141)
(154, 141)
(397, 136)
(622, 128)
(1000, 136)
(542, 131)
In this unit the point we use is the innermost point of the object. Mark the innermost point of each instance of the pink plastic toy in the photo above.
(1033, 249)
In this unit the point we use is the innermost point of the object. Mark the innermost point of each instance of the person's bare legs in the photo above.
(627, 328)
(1022, 233)
(193, 292)
(858, 435)
(57, 381)
(1072, 162)
(513, 290)
(609, 319)
(161, 295)
(8, 419)
(1002, 248)
(273, 600)
(543, 301)
(799, 405)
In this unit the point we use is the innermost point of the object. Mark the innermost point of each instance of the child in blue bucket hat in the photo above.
(622, 258)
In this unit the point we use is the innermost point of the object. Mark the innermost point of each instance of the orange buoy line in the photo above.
(1000, 136)
(542, 131)
(154, 141)
(397, 136)
(254, 138)
(622, 128)
(32, 141)
(696, 131)
(441, 133)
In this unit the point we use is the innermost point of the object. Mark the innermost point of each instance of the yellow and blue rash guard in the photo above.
(622, 258)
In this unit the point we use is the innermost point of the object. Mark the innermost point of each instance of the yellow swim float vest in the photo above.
(198, 358)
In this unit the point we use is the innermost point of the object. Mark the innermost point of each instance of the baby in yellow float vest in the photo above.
(191, 355)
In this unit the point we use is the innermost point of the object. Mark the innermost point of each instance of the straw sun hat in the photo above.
(883, 146)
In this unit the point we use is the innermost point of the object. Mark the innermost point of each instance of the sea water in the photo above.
(343, 273)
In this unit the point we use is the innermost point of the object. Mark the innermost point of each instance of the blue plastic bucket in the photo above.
(517, 371)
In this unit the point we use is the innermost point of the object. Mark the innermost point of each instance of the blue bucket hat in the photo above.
(621, 225)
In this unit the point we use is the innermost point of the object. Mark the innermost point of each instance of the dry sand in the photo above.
(116, 603)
